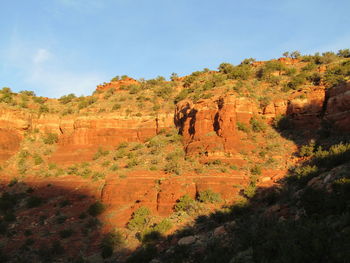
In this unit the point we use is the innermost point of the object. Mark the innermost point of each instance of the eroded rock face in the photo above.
(209, 126)
(160, 192)
(13, 124)
(9, 143)
(79, 136)
(338, 108)
(116, 85)
(307, 112)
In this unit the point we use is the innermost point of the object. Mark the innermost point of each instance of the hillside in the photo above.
(249, 163)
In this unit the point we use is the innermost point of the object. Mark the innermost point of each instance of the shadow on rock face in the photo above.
(48, 222)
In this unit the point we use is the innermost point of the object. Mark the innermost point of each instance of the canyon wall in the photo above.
(209, 130)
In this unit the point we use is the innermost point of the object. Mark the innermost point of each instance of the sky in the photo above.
(56, 47)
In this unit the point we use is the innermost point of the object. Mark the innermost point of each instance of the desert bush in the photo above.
(67, 98)
(243, 71)
(208, 196)
(38, 100)
(242, 127)
(140, 219)
(134, 89)
(23, 154)
(257, 125)
(266, 72)
(345, 53)
(44, 109)
(86, 101)
(297, 81)
(96, 209)
(163, 226)
(98, 176)
(100, 153)
(110, 242)
(315, 78)
(27, 93)
(50, 138)
(116, 106)
(34, 201)
(307, 150)
(173, 167)
(66, 233)
(336, 155)
(185, 203)
(255, 170)
(305, 173)
(250, 189)
(337, 75)
(114, 167)
(37, 159)
(283, 122)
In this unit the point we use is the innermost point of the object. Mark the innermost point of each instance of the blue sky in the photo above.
(55, 47)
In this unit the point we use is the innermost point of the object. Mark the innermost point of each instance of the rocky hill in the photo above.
(245, 164)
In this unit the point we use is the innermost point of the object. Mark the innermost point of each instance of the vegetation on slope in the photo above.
(304, 219)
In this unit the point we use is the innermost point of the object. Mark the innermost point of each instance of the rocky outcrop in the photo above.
(209, 126)
(307, 112)
(338, 108)
(117, 85)
(79, 136)
(160, 192)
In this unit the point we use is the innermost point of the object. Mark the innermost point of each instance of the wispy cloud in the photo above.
(41, 56)
(47, 71)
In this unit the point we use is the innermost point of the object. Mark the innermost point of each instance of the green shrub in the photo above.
(306, 172)
(114, 167)
(116, 78)
(243, 71)
(345, 53)
(256, 125)
(242, 127)
(337, 75)
(134, 89)
(96, 209)
(100, 153)
(50, 138)
(110, 242)
(307, 150)
(266, 72)
(163, 226)
(255, 170)
(66, 233)
(140, 219)
(86, 101)
(132, 163)
(44, 109)
(297, 81)
(98, 176)
(67, 98)
(23, 154)
(185, 203)
(27, 93)
(122, 145)
(283, 122)
(250, 190)
(34, 201)
(37, 159)
(208, 196)
(173, 167)
(116, 106)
